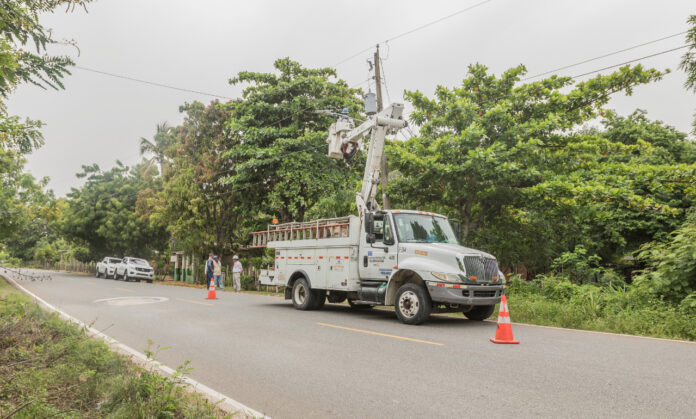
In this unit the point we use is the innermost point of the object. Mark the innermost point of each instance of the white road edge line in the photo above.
(226, 403)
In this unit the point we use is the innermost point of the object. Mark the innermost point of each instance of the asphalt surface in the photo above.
(340, 363)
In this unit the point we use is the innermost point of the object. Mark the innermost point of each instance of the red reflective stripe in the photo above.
(345, 257)
(321, 257)
(309, 257)
(440, 285)
(301, 257)
(455, 286)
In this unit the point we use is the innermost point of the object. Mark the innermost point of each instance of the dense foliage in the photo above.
(103, 213)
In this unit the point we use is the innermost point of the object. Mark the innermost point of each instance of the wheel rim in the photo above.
(300, 294)
(409, 305)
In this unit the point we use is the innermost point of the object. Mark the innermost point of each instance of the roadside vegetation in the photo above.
(49, 368)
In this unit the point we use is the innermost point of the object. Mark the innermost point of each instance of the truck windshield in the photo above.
(422, 228)
(139, 262)
(114, 260)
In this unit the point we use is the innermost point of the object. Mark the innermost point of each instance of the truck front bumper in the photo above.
(468, 295)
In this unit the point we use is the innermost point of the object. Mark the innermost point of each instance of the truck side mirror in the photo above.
(370, 238)
(369, 223)
(457, 227)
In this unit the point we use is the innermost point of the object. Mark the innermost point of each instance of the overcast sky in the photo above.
(200, 45)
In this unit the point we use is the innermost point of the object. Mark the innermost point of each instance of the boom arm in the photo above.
(342, 135)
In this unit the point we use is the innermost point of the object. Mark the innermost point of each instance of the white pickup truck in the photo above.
(135, 269)
(106, 267)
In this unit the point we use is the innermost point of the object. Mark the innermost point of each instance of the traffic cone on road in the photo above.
(211, 291)
(503, 333)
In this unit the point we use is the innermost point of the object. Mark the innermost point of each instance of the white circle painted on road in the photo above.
(131, 301)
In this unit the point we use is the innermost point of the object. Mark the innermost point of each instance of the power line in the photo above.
(451, 15)
(152, 83)
(630, 61)
(410, 31)
(603, 56)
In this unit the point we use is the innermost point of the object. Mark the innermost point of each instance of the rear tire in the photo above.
(125, 277)
(479, 313)
(412, 304)
(302, 296)
(96, 275)
(115, 275)
(149, 281)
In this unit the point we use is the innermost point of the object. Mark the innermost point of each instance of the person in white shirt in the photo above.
(237, 274)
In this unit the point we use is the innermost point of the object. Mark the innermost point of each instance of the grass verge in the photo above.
(621, 309)
(52, 368)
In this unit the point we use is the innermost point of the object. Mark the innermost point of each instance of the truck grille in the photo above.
(483, 268)
(143, 269)
(482, 294)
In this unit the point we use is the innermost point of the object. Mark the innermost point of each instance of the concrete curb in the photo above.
(223, 402)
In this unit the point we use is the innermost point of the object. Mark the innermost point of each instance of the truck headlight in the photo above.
(446, 277)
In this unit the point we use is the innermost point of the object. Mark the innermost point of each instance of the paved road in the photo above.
(288, 363)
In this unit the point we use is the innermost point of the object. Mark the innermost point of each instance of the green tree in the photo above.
(103, 213)
(277, 156)
(200, 212)
(511, 162)
(157, 147)
(688, 62)
(23, 59)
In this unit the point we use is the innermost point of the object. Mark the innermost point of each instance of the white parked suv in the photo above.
(135, 269)
(107, 267)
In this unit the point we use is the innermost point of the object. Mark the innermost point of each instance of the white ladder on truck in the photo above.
(327, 228)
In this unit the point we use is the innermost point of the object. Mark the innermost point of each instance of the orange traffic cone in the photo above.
(211, 290)
(503, 333)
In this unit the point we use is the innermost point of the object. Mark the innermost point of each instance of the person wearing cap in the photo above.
(237, 274)
(209, 267)
(217, 273)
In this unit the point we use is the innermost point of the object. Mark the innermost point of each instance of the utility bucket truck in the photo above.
(409, 259)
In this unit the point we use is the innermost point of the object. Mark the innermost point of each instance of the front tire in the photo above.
(125, 276)
(479, 313)
(412, 304)
(96, 275)
(302, 296)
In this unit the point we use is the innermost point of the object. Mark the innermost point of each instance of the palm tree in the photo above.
(157, 147)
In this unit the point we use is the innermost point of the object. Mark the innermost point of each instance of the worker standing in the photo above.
(217, 273)
(209, 269)
(237, 274)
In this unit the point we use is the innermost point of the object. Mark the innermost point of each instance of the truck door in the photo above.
(377, 261)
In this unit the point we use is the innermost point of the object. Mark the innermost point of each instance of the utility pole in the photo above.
(383, 173)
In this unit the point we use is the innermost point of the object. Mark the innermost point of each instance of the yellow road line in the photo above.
(193, 302)
(369, 332)
(126, 290)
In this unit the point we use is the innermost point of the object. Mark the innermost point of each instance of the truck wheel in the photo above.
(149, 281)
(125, 276)
(97, 274)
(319, 299)
(115, 275)
(412, 304)
(302, 296)
(479, 313)
(358, 306)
